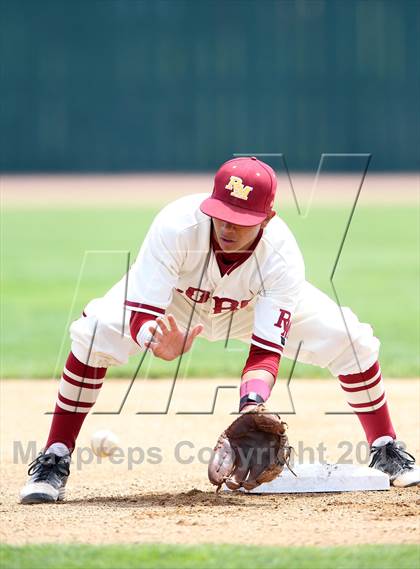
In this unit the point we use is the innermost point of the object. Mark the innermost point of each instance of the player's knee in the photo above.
(97, 343)
(360, 351)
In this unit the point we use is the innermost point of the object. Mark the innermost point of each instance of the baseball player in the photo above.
(221, 265)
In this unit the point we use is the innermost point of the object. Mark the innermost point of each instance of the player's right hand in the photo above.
(170, 342)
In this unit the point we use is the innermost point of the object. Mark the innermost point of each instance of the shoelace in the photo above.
(399, 455)
(44, 464)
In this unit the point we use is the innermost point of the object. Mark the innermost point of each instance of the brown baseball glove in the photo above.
(252, 450)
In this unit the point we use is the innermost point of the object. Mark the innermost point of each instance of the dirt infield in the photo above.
(41, 191)
(171, 501)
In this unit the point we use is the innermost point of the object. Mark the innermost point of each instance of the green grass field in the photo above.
(209, 557)
(43, 252)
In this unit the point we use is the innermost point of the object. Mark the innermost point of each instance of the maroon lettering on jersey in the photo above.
(222, 304)
(284, 322)
(197, 294)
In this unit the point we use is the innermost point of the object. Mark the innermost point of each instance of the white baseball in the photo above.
(104, 442)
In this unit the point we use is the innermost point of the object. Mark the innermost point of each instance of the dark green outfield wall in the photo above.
(126, 85)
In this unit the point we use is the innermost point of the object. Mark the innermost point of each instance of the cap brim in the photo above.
(231, 213)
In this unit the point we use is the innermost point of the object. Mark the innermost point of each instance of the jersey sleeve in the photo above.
(154, 275)
(282, 281)
(261, 358)
(136, 322)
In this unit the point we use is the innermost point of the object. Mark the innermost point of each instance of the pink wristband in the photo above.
(257, 386)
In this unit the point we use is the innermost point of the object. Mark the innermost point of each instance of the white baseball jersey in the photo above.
(177, 257)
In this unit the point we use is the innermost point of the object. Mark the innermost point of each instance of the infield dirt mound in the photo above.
(159, 492)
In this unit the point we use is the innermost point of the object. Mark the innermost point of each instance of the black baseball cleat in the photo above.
(48, 476)
(397, 463)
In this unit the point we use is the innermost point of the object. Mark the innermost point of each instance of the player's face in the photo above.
(235, 237)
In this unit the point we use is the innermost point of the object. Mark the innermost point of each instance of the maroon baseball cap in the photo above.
(243, 193)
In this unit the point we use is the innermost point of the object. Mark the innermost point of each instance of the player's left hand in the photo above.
(171, 342)
(252, 450)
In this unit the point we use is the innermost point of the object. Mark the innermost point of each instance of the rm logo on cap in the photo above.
(238, 189)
